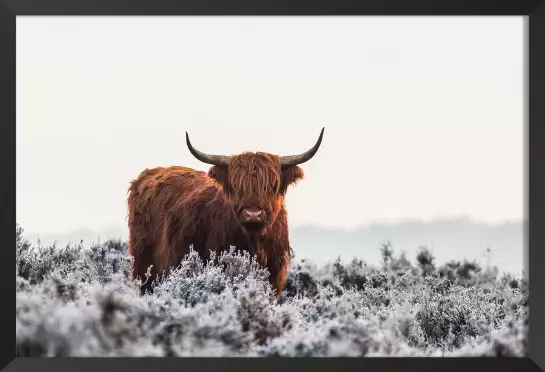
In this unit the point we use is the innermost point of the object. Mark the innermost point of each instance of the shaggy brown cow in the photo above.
(239, 202)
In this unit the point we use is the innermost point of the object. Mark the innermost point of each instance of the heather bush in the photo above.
(80, 301)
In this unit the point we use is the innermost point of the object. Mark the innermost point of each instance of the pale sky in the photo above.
(424, 116)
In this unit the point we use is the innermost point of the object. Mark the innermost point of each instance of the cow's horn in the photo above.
(206, 158)
(298, 159)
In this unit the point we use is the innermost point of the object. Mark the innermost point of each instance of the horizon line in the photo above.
(371, 224)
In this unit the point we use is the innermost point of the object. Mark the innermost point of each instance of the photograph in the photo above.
(271, 186)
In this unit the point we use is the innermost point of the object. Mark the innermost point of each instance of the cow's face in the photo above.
(256, 184)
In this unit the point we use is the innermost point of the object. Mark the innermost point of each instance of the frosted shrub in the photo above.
(194, 281)
(108, 261)
(81, 301)
(36, 264)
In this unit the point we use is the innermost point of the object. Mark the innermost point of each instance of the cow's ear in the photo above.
(219, 173)
(290, 175)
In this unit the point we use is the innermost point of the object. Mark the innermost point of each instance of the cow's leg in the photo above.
(143, 259)
(278, 277)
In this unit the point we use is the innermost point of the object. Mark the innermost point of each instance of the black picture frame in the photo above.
(535, 180)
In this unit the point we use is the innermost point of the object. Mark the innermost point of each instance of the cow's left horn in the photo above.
(306, 156)
(206, 158)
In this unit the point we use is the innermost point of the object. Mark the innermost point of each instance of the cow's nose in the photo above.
(252, 214)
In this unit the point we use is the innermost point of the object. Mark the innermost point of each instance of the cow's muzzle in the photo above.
(253, 218)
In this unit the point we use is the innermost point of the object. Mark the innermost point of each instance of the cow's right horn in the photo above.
(206, 158)
(306, 156)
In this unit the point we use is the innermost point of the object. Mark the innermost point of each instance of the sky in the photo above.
(423, 116)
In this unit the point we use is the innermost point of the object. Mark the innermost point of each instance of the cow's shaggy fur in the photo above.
(174, 207)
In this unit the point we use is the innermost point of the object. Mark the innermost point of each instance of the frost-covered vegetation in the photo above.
(79, 301)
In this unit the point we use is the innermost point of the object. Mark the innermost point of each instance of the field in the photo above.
(78, 301)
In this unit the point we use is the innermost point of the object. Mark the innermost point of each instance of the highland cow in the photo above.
(240, 202)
